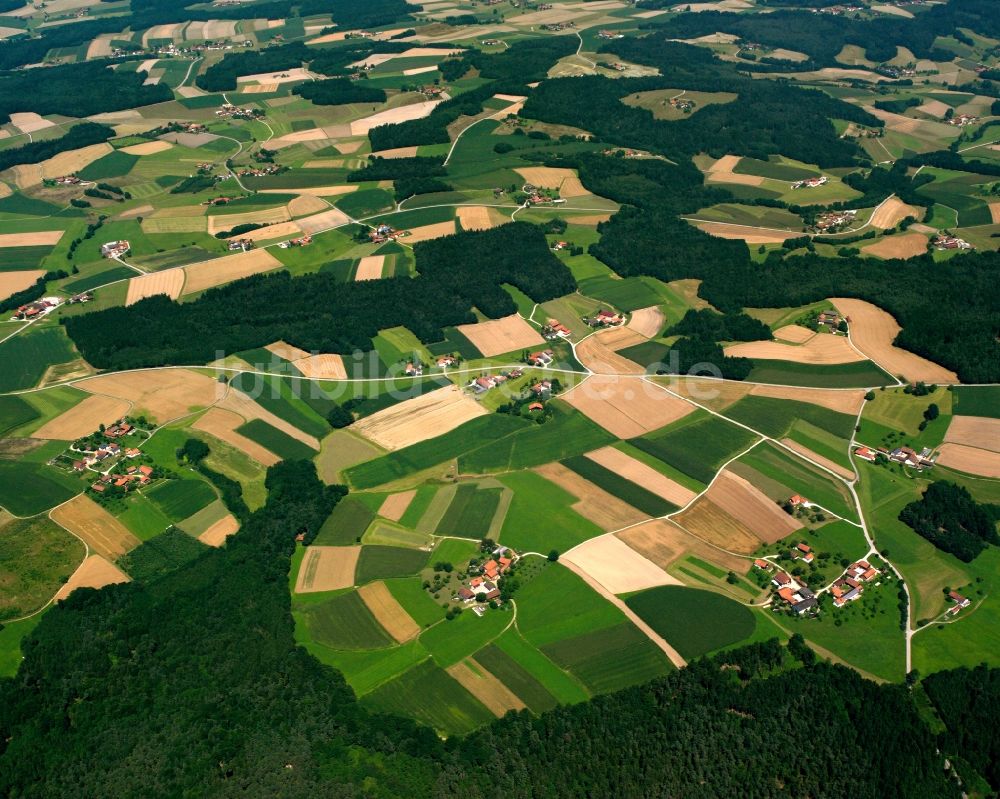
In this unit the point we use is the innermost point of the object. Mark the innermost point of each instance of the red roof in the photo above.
(804, 547)
(146, 470)
(786, 594)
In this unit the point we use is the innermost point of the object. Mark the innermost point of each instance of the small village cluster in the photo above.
(483, 383)
(834, 220)
(608, 35)
(851, 584)
(798, 596)
(962, 120)
(241, 245)
(554, 27)
(945, 242)
(260, 172)
(115, 249)
(553, 329)
(483, 587)
(383, 232)
(540, 196)
(65, 180)
(904, 455)
(230, 111)
(302, 241)
(36, 309)
(810, 183)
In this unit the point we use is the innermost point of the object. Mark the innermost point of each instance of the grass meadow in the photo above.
(277, 441)
(377, 562)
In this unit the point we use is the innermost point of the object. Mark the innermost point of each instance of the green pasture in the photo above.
(471, 511)
(15, 412)
(858, 374)
(616, 485)
(518, 679)
(777, 417)
(344, 622)
(451, 641)
(557, 605)
(977, 401)
(377, 562)
(346, 524)
(180, 499)
(29, 488)
(142, 517)
(27, 355)
(288, 400)
(275, 440)
(36, 557)
(410, 593)
(541, 517)
(560, 684)
(366, 670)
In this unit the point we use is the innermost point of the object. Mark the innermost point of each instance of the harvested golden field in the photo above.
(388, 612)
(818, 459)
(370, 267)
(84, 418)
(393, 116)
(840, 400)
(283, 76)
(715, 394)
(426, 232)
(478, 217)
(616, 566)
(348, 147)
(327, 366)
(549, 177)
(823, 348)
(132, 213)
(13, 282)
(305, 204)
(238, 402)
(963, 458)
(647, 322)
(316, 191)
(995, 213)
(66, 163)
(147, 148)
(259, 88)
(163, 394)
(906, 245)
(281, 230)
(218, 271)
(493, 694)
(327, 569)
(590, 220)
(94, 572)
(395, 505)
(286, 351)
(169, 282)
(396, 152)
(742, 500)
(712, 524)
(101, 531)
(222, 424)
(974, 431)
(29, 121)
(734, 177)
(873, 332)
(794, 334)
(40, 238)
(595, 353)
(626, 406)
(751, 235)
(934, 108)
(325, 220)
(216, 535)
(642, 475)
(217, 223)
(498, 336)
(427, 416)
(664, 543)
(725, 164)
(603, 509)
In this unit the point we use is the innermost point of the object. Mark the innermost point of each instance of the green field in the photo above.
(179, 499)
(143, 517)
(977, 401)
(860, 374)
(557, 605)
(346, 524)
(693, 621)
(610, 659)
(776, 417)
(428, 694)
(285, 399)
(377, 562)
(616, 485)
(161, 555)
(415, 600)
(512, 674)
(36, 557)
(98, 279)
(29, 488)
(629, 293)
(451, 641)
(470, 513)
(559, 683)
(697, 445)
(277, 441)
(541, 518)
(26, 356)
(112, 165)
(779, 474)
(15, 412)
(344, 622)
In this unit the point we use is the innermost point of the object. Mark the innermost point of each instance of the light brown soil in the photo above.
(548, 177)
(327, 569)
(397, 152)
(735, 177)
(715, 394)
(284, 76)
(327, 366)
(840, 400)
(934, 108)
(393, 116)
(414, 420)
(259, 88)
(595, 353)
(395, 505)
(216, 535)
(708, 521)
(325, 220)
(39, 238)
(163, 394)
(102, 532)
(616, 566)
(822, 349)
(370, 267)
(286, 351)
(750, 235)
(995, 213)
(873, 331)
(218, 223)
(475, 217)
(426, 232)
(639, 473)
(226, 269)
(306, 204)
(589, 219)
(498, 336)
(283, 230)
(647, 322)
(240, 403)
(94, 572)
(974, 431)
(595, 504)
(388, 612)
(626, 406)
(84, 418)
(147, 148)
(664, 543)
(496, 696)
(29, 121)
(132, 213)
(970, 459)
(169, 282)
(809, 455)
(725, 164)
(13, 282)
(223, 424)
(743, 501)
(907, 245)
(794, 334)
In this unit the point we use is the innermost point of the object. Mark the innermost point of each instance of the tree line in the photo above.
(82, 135)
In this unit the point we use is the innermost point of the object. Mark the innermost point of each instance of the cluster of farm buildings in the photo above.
(302, 241)
(950, 243)
(36, 309)
(851, 584)
(383, 232)
(834, 220)
(904, 455)
(115, 249)
(484, 587)
(811, 183)
(230, 111)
